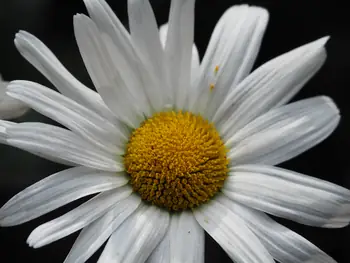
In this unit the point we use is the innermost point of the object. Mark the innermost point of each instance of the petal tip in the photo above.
(32, 240)
(321, 42)
(263, 12)
(331, 105)
(21, 33)
(325, 39)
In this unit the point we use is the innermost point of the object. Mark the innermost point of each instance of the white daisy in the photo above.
(10, 108)
(175, 147)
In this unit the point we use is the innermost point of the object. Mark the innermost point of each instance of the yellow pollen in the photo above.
(211, 87)
(216, 69)
(176, 160)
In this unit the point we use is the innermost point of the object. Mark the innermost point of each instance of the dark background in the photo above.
(292, 23)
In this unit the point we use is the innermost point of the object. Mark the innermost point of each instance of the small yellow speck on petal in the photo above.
(211, 87)
(216, 69)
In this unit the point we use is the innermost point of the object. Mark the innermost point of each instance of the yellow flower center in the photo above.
(176, 160)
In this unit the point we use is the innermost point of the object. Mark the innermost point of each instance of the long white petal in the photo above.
(183, 243)
(137, 237)
(46, 62)
(83, 121)
(135, 71)
(55, 191)
(231, 233)
(271, 85)
(3, 139)
(178, 49)
(284, 132)
(107, 78)
(144, 34)
(78, 218)
(230, 55)
(162, 252)
(163, 34)
(94, 235)
(283, 244)
(291, 195)
(117, 38)
(61, 144)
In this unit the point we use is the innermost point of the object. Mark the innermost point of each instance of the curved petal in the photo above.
(3, 139)
(107, 79)
(135, 71)
(230, 55)
(46, 62)
(61, 144)
(10, 108)
(137, 237)
(162, 252)
(231, 233)
(91, 126)
(178, 49)
(184, 241)
(92, 237)
(163, 33)
(144, 34)
(78, 218)
(283, 244)
(55, 191)
(271, 85)
(284, 132)
(109, 22)
(308, 200)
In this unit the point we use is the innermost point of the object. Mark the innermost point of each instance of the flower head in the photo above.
(175, 146)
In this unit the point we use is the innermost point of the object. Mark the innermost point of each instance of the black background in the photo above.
(292, 23)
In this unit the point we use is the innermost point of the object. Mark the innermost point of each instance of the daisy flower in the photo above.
(173, 147)
(10, 108)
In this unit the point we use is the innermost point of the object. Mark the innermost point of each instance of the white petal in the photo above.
(55, 142)
(10, 108)
(144, 34)
(107, 78)
(163, 33)
(108, 22)
(135, 72)
(4, 137)
(290, 195)
(55, 191)
(178, 49)
(3, 134)
(231, 233)
(195, 64)
(46, 62)
(283, 244)
(230, 55)
(81, 120)
(183, 243)
(273, 84)
(284, 132)
(137, 237)
(162, 252)
(94, 235)
(78, 218)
